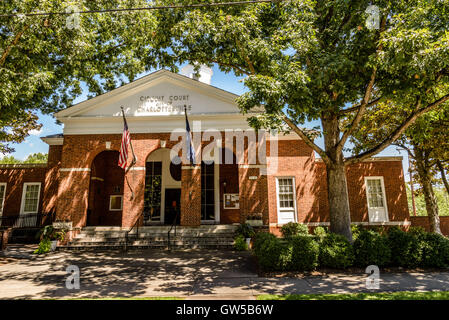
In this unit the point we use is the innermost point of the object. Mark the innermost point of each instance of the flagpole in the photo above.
(133, 162)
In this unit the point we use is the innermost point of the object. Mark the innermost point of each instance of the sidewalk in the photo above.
(189, 274)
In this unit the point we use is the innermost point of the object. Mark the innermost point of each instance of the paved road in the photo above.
(189, 274)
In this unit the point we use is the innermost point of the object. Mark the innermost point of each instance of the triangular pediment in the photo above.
(161, 93)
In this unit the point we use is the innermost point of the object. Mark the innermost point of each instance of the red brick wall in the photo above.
(424, 222)
(191, 196)
(15, 178)
(296, 159)
(51, 183)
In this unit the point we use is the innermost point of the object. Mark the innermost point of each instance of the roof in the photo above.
(154, 76)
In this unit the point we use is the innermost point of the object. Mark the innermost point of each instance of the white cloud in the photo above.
(35, 132)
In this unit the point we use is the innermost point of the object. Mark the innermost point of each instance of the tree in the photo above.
(32, 158)
(45, 59)
(10, 160)
(426, 141)
(37, 158)
(316, 60)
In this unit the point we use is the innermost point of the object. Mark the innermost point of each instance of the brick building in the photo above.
(242, 174)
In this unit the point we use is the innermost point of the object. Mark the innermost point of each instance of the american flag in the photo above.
(123, 158)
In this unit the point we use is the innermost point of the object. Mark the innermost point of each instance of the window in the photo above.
(207, 192)
(153, 191)
(2, 196)
(376, 200)
(30, 198)
(116, 203)
(286, 199)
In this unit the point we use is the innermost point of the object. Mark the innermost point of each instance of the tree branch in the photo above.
(366, 98)
(306, 139)
(13, 43)
(409, 151)
(396, 133)
(248, 61)
(239, 69)
(354, 108)
(443, 175)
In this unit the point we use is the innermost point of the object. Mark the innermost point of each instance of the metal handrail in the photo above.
(30, 220)
(173, 225)
(137, 231)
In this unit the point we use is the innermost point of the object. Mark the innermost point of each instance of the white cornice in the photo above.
(53, 141)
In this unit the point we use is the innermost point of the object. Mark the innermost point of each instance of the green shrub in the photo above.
(406, 248)
(240, 243)
(44, 247)
(299, 253)
(371, 248)
(259, 241)
(336, 252)
(272, 254)
(292, 229)
(305, 252)
(355, 230)
(245, 230)
(435, 251)
(320, 232)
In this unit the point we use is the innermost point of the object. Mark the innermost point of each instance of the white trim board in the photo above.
(2, 200)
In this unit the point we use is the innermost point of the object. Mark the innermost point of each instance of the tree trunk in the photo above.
(425, 178)
(443, 175)
(340, 218)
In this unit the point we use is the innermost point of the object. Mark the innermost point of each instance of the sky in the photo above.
(228, 82)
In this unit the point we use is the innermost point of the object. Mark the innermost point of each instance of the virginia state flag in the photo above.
(190, 149)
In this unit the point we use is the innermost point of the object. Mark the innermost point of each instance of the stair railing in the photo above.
(135, 225)
(172, 226)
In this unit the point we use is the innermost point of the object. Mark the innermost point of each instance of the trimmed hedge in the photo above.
(371, 248)
(415, 248)
(435, 251)
(292, 229)
(406, 248)
(336, 252)
(305, 253)
(295, 253)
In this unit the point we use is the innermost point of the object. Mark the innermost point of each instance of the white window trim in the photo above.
(384, 195)
(22, 205)
(110, 202)
(295, 213)
(2, 201)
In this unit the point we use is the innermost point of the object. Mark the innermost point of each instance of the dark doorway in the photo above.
(172, 206)
(106, 191)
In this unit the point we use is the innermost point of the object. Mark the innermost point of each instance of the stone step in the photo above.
(153, 234)
(149, 246)
(153, 238)
(150, 241)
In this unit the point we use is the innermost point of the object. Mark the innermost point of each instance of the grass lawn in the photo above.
(402, 295)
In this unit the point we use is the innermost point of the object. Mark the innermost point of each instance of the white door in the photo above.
(377, 204)
(286, 200)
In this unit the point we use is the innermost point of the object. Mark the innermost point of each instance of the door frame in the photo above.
(384, 196)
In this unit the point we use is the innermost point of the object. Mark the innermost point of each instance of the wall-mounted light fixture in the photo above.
(163, 143)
